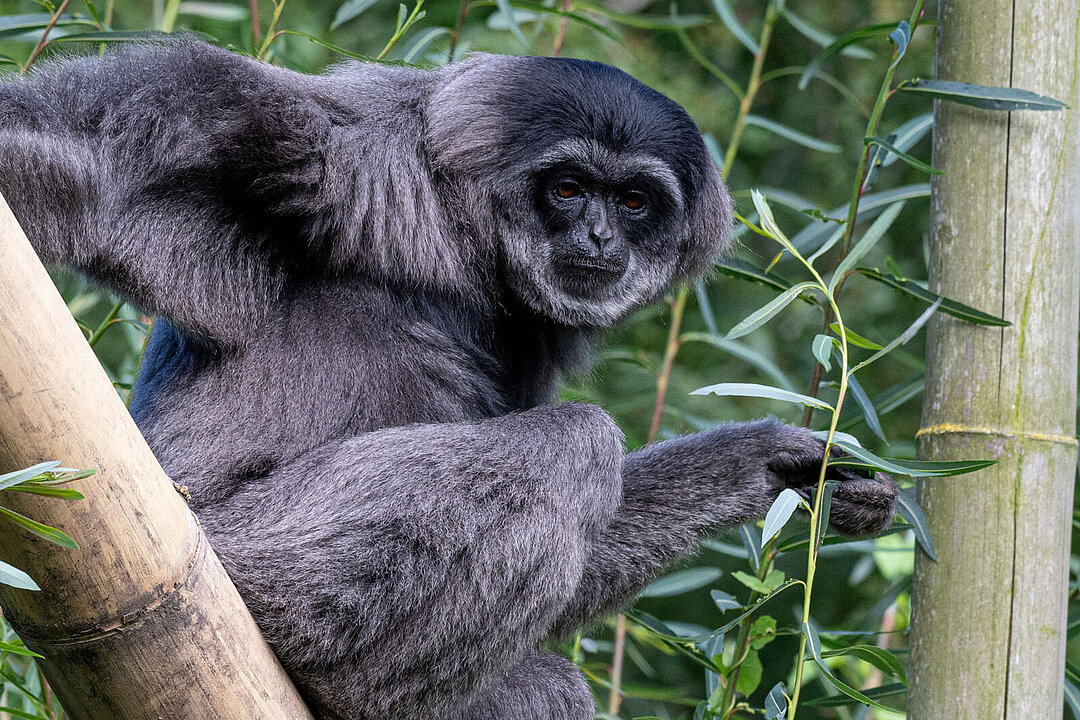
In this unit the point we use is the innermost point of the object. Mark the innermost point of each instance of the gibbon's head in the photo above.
(597, 190)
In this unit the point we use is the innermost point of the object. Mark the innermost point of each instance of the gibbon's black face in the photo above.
(600, 190)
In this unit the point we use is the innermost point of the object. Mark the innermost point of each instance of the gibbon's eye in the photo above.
(567, 189)
(633, 200)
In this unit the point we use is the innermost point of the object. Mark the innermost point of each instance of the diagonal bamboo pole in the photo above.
(988, 636)
(141, 622)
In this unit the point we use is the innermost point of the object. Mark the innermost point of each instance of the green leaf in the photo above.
(722, 630)
(647, 22)
(776, 703)
(874, 233)
(43, 531)
(949, 307)
(1072, 698)
(421, 43)
(779, 513)
(838, 45)
(895, 152)
(13, 25)
(982, 96)
(48, 491)
(767, 312)
(749, 674)
(762, 391)
(731, 22)
(743, 352)
(507, 13)
(911, 468)
(13, 576)
(871, 205)
(19, 649)
(772, 581)
(910, 510)
(745, 271)
(21, 713)
(867, 407)
(905, 136)
(821, 37)
(839, 700)
(799, 138)
(768, 223)
(822, 347)
(681, 582)
(725, 601)
(901, 36)
(751, 541)
(904, 337)
(813, 644)
(111, 36)
(762, 632)
(882, 659)
(854, 338)
(215, 11)
(349, 11)
(14, 478)
(334, 48)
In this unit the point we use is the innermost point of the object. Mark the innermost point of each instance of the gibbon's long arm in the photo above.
(178, 175)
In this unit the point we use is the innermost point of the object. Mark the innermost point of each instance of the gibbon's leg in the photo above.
(678, 491)
(398, 571)
(540, 685)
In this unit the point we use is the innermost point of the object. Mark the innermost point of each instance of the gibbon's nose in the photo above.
(600, 231)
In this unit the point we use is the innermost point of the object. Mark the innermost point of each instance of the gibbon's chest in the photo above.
(215, 418)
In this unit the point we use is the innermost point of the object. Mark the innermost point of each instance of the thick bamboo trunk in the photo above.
(141, 622)
(989, 618)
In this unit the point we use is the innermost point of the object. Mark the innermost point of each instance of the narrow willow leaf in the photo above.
(768, 223)
(746, 271)
(681, 582)
(908, 134)
(745, 353)
(822, 347)
(779, 513)
(705, 307)
(214, 11)
(828, 244)
(751, 540)
(901, 36)
(1072, 698)
(772, 581)
(776, 703)
(867, 407)
(950, 307)
(765, 313)
(911, 468)
(43, 531)
(762, 391)
(14, 478)
(420, 44)
(854, 338)
(822, 519)
(48, 491)
(683, 645)
(982, 96)
(723, 630)
(507, 14)
(897, 153)
(871, 205)
(838, 45)
(350, 10)
(874, 233)
(727, 16)
(820, 37)
(725, 601)
(12, 25)
(813, 644)
(880, 658)
(13, 576)
(795, 136)
(910, 510)
(650, 22)
(18, 650)
(877, 693)
(120, 36)
(905, 336)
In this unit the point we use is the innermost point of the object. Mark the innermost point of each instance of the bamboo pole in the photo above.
(141, 622)
(988, 635)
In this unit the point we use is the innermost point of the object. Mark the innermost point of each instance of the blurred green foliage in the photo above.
(861, 587)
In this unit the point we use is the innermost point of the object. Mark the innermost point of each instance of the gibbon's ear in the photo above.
(710, 212)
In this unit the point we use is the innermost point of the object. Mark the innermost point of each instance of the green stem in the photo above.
(401, 30)
(105, 324)
(271, 32)
(43, 40)
(742, 644)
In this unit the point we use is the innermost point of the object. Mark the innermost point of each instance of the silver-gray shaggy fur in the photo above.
(368, 285)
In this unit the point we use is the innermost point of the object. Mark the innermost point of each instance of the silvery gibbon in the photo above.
(368, 285)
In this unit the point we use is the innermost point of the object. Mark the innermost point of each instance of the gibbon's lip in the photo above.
(613, 269)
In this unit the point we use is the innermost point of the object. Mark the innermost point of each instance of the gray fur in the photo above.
(364, 312)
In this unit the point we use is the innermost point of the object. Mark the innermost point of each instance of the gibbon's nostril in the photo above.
(601, 235)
